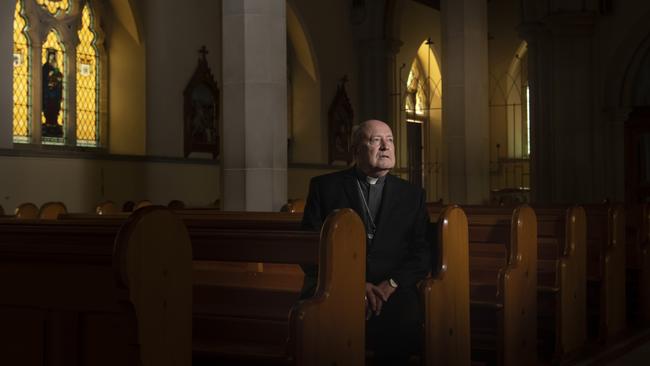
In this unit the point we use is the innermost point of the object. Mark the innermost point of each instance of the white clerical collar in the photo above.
(371, 180)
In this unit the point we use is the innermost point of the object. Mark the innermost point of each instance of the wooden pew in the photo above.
(503, 280)
(106, 208)
(51, 210)
(446, 294)
(96, 293)
(26, 210)
(562, 298)
(605, 270)
(323, 330)
(447, 337)
(637, 220)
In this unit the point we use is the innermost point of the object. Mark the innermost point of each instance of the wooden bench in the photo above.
(605, 271)
(323, 330)
(77, 292)
(561, 305)
(637, 220)
(26, 210)
(51, 210)
(447, 337)
(446, 293)
(503, 280)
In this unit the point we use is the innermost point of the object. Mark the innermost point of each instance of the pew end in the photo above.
(155, 265)
(446, 294)
(519, 284)
(329, 327)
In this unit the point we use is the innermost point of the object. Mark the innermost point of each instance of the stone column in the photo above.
(376, 61)
(567, 165)
(376, 55)
(465, 111)
(254, 154)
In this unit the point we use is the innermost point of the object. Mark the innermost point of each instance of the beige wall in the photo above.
(174, 33)
(127, 89)
(327, 25)
(82, 183)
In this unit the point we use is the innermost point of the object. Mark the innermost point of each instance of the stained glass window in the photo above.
(54, 6)
(87, 82)
(22, 75)
(53, 89)
(63, 104)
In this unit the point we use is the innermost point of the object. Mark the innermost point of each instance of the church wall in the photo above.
(174, 32)
(619, 39)
(304, 128)
(82, 183)
(127, 103)
(328, 28)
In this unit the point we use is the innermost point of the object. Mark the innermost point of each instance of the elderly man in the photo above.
(397, 254)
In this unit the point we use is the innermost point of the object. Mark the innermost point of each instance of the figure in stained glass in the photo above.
(52, 95)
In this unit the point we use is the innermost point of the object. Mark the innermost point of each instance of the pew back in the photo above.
(446, 294)
(26, 210)
(100, 293)
(51, 210)
(606, 268)
(325, 329)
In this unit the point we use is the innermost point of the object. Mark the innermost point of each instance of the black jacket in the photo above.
(399, 249)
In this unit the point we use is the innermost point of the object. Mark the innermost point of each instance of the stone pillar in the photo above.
(254, 154)
(465, 116)
(376, 60)
(376, 65)
(567, 165)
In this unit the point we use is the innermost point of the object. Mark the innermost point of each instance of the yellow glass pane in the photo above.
(54, 45)
(54, 6)
(87, 86)
(21, 77)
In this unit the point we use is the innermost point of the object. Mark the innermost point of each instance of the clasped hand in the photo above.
(376, 296)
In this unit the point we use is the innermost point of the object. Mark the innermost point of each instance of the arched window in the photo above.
(422, 106)
(64, 38)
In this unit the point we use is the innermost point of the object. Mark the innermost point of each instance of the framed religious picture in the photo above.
(340, 126)
(201, 110)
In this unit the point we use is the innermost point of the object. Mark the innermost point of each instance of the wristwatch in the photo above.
(392, 283)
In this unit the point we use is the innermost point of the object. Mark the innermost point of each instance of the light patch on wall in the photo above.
(300, 43)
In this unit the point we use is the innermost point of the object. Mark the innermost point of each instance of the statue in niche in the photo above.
(52, 95)
(201, 110)
(340, 125)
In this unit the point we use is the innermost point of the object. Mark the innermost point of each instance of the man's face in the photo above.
(376, 152)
